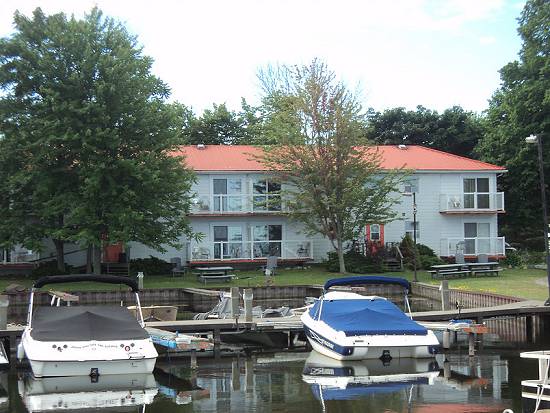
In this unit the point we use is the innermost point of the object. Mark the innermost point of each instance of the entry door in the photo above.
(228, 242)
(477, 238)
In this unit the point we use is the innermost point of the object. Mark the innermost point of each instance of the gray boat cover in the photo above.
(84, 323)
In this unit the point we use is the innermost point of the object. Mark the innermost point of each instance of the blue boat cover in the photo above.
(368, 279)
(358, 317)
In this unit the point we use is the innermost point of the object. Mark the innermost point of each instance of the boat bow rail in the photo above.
(368, 279)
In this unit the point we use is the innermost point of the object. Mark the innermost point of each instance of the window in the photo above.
(477, 238)
(267, 240)
(227, 194)
(267, 195)
(410, 185)
(375, 232)
(410, 229)
(227, 241)
(476, 193)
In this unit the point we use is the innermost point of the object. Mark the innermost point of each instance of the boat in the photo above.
(114, 393)
(332, 379)
(86, 340)
(349, 326)
(535, 394)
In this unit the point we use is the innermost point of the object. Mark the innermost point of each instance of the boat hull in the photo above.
(85, 368)
(335, 344)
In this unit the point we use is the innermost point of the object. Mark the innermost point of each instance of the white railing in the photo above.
(476, 201)
(250, 250)
(18, 255)
(236, 203)
(472, 246)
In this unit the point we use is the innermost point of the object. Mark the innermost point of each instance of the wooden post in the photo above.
(446, 339)
(471, 345)
(217, 341)
(193, 359)
(249, 374)
(445, 295)
(235, 302)
(529, 328)
(235, 376)
(447, 369)
(248, 296)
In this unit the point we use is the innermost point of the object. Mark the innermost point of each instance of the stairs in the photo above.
(393, 264)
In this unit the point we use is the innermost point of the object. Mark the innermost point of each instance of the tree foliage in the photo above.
(87, 137)
(455, 130)
(520, 107)
(335, 184)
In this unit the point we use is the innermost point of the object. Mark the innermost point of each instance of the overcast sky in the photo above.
(435, 53)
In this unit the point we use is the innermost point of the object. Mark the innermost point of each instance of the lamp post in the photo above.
(414, 236)
(538, 140)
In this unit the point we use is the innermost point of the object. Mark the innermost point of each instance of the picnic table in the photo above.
(206, 274)
(465, 269)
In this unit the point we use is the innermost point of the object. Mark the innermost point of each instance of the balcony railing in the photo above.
(250, 250)
(237, 203)
(472, 246)
(19, 255)
(472, 202)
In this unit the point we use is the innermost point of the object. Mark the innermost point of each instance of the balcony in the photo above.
(18, 255)
(472, 203)
(472, 246)
(249, 250)
(237, 204)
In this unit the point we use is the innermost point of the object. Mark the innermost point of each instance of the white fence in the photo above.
(250, 250)
(237, 203)
(472, 246)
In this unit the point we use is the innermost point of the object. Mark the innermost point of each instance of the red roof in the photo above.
(241, 158)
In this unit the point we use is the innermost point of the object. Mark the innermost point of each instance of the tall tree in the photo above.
(88, 123)
(455, 130)
(335, 187)
(520, 107)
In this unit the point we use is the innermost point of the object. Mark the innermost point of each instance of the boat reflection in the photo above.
(332, 379)
(108, 393)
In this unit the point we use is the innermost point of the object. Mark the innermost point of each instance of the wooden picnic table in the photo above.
(206, 274)
(465, 269)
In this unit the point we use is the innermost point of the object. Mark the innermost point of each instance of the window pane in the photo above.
(483, 201)
(234, 234)
(275, 232)
(234, 203)
(470, 230)
(469, 185)
(260, 233)
(259, 203)
(273, 187)
(220, 186)
(260, 186)
(470, 246)
(234, 186)
(274, 202)
(483, 230)
(220, 233)
(469, 201)
(482, 184)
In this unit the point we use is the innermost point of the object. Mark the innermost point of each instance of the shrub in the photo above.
(356, 263)
(513, 259)
(150, 266)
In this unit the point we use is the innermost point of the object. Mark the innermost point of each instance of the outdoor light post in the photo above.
(538, 140)
(414, 236)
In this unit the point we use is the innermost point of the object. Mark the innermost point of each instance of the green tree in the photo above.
(89, 127)
(455, 130)
(334, 186)
(520, 107)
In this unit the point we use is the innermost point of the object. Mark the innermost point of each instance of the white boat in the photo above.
(349, 326)
(332, 379)
(106, 393)
(86, 340)
(536, 393)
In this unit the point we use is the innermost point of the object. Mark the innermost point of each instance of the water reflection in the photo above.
(288, 382)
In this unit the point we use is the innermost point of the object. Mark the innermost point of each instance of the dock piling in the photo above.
(446, 339)
(471, 344)
(247, 297)
(193, 359)
(445, 295)
(235, 302)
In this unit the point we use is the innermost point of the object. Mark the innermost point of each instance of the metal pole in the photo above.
(544, 215)
(414, 236)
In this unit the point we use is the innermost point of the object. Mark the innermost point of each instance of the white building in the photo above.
(239, 210)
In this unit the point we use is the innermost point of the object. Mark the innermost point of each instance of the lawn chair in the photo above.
(177, 267)
(459, 258)
(270, 266)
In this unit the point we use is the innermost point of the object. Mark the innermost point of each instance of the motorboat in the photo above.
(349, 326)
(332, 379)
(106, 393)
(86, 340)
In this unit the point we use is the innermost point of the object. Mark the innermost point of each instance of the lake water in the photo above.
(298, 382)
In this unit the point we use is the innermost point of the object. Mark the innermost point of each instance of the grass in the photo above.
(513, 282)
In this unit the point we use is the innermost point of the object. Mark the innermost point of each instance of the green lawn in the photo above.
(514, 282)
